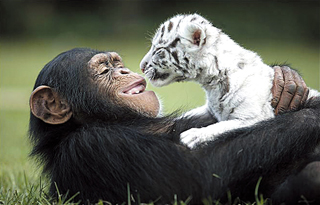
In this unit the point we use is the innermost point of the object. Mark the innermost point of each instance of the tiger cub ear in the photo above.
(194, 34)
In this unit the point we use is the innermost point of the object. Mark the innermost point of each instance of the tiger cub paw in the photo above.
(195, 136)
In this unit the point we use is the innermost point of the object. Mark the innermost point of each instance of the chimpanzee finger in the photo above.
(277, 88)
(288, 91)
(305, 96)
(305, 93)
(297, 100)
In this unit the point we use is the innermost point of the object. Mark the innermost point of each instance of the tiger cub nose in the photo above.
(143, 66)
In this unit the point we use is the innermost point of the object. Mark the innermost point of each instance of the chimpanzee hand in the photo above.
(289, 90)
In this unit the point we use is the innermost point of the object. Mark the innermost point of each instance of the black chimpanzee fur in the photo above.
(113, 147)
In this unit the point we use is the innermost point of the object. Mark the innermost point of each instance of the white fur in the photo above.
(236, 81)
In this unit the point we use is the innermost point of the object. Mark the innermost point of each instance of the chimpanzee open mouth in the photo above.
(136, 88)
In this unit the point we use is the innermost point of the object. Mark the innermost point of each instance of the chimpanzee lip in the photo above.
(136, 87)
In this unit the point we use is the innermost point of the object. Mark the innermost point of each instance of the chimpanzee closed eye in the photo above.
(97, 137)
(105, 71)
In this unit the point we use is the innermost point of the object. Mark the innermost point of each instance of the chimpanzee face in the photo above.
(107, 78)
(125, 87)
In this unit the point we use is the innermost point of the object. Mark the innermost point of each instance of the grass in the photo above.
(21, 60)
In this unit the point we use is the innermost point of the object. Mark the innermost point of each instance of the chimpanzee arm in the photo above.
(101, 161)
(272, 150)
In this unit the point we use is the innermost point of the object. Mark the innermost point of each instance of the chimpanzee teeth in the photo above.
(136, 90)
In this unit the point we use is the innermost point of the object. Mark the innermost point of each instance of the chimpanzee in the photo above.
(98, 133)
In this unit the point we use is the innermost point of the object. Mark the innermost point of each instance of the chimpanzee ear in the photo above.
(194, 33)
(47, 105)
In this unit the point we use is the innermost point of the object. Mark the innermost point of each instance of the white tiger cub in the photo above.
(236, 81)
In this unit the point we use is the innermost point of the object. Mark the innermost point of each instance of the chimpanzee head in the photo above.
(81, 84)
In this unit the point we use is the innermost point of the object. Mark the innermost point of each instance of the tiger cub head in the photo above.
(179, 50)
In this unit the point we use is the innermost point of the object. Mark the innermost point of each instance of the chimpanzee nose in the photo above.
(122, 71)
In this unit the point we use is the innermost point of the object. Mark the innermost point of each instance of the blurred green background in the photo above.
(34, 32)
